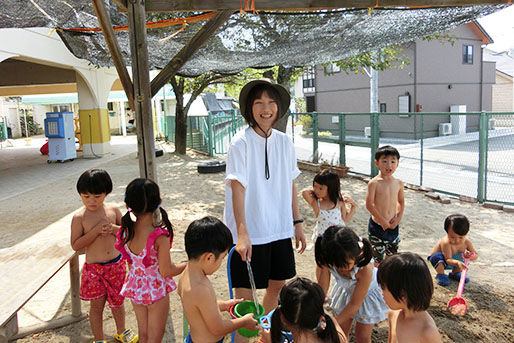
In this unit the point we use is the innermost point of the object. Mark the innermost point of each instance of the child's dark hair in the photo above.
(330, 178)
(94, 181)
(142, 196)
(338, 245)
(301, 304)
(386, 150)
(256, 93)
(406, 275)
(206, 235)
(458, 223)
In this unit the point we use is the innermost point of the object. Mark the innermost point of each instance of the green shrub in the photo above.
(306, 121)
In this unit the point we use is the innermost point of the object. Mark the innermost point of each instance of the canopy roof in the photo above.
(248, 40)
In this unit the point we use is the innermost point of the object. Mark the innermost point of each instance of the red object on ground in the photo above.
(44, 149)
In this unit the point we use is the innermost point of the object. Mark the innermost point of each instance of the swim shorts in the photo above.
(271, 261)
(104, 280)
(438, 258)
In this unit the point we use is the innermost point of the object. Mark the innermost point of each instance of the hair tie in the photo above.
(129, 209)
(360, 239)
(322, 324)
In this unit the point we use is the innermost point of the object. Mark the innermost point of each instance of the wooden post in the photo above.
(142, 94)
(114, 48)
(76, 311)
(189, 49)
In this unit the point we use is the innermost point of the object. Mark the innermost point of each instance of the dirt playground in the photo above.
(188, 195)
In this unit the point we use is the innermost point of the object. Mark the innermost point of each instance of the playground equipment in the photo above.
(60, 130)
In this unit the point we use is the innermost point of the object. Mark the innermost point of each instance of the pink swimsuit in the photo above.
(144, 284)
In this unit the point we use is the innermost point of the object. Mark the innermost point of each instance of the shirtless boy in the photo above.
(407, 288)
(207, 241)
(94, 229)
(449, 250)
(385, 202)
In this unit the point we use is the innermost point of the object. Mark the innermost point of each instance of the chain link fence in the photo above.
(468, 154)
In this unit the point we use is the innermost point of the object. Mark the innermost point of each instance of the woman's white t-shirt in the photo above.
(268, 203)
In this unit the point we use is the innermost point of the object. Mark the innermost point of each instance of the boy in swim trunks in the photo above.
(94, 228)
(448, 252)
(385, 202)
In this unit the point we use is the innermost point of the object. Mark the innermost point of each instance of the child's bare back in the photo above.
(419, 328)
(94, 231)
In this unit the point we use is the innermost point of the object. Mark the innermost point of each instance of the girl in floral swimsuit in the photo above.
(145, 244)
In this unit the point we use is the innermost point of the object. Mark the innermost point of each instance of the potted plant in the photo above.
(342, 171)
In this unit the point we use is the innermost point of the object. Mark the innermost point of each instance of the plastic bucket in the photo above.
(245, 307)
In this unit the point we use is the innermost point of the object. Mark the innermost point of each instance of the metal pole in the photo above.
(25, 117)
(422, 135)
(209, 132)
(374, 139)
(482, 152)
(315, 152)
(342, 139)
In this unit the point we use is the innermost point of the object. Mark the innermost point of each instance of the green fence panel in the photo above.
(466, 154)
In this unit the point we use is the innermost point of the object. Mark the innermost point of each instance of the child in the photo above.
(407, 288)
(261, 203)
(329, 208)
(207, 241)
(356, 294)
(145, 244)
(93, 228)
(447, 253)
(301, 311)
(385, 202)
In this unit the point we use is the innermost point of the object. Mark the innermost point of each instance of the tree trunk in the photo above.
(284, 79)
(180, 119)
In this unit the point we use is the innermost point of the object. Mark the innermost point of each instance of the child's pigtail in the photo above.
(366, 252)
(157, 217)
(276, 326)
(327, 330)
(166, 222)
(319, 252)
(127, 227)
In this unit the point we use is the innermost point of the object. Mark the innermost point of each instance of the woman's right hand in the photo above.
(244, 245)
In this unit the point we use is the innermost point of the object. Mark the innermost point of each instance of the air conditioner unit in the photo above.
(492, 124)
(445, 129)
(367, 131)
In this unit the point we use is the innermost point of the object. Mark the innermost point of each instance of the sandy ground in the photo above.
(188, 195)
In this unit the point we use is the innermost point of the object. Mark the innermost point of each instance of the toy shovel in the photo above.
(458, 305)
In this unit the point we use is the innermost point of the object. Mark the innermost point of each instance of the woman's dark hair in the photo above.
(406, 275)
(338, 245)
(94, 181)
(330, 178)
(142, 196)
(205, 235)
(256, 93)
(301, 304)
(458, 223)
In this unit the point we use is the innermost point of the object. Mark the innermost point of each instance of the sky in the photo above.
(500, 26)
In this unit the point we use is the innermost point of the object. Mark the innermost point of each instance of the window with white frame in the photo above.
(332, 68)
(467, 54)
(308, 80)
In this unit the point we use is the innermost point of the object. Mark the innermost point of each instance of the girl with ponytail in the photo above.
(356, 294)
(301, 312)
(145, 241)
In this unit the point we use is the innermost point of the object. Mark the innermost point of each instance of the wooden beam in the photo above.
(114, 48)
(122, 5)
(141, 73)
(204, 5)
(189, 49)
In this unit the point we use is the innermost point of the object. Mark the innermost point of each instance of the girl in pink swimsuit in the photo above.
(145, 244)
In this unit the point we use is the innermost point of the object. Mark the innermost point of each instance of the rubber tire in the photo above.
(211, 167)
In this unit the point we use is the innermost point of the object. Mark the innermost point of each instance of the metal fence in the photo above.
(3, 129)
(470, 154)
(210, 134)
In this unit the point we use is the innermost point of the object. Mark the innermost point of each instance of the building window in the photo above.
(383, 107)
(332, 68)
(308, 80)
(467, 54)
